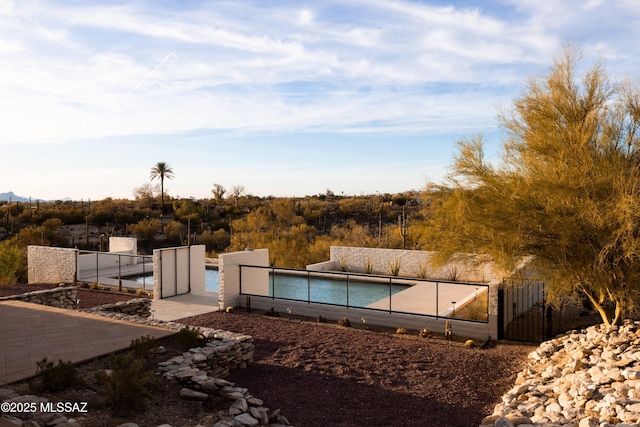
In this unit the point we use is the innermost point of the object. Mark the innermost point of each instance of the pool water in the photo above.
(330, 291)
(314, 289)
(211, 279)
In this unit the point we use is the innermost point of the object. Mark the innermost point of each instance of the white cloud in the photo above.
(83, 72)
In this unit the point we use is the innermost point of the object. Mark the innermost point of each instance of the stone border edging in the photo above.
(61, 297)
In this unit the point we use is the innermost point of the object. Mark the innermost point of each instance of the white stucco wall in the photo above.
(178, 271)
(229, 271)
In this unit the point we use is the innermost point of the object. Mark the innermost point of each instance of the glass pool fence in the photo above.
(437, 298)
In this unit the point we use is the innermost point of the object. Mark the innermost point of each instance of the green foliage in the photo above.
(394, 267)
(146, 229)
(54, 377)
(11, 262)
(160, 171)
(142, 346)
(216, 241)
(127, 385)
(567, 191)
(368, 266)
(190, 337)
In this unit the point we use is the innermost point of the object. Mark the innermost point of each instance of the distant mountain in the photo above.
(10, 196)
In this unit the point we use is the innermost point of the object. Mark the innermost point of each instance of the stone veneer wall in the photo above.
(63, 297)
(51, 265)
(469, 268)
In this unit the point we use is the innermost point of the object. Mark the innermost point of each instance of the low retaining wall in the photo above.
(135, 307)
(64, 297)
(224, 352)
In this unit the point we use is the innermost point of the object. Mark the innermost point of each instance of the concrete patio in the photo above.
(31, 332)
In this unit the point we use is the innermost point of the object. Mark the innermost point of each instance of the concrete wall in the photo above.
(229, 271)
(51, 265)
(125, 245)
(178, 271)
(468, 268)
(466, 329)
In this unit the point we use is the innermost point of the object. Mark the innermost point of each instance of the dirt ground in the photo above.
(324, 375)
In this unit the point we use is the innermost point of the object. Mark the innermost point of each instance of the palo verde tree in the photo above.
(567, 189)
(161, 171)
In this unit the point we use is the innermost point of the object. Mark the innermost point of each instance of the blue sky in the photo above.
(286, 98)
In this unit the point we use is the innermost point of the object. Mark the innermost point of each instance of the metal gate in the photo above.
(523, 314)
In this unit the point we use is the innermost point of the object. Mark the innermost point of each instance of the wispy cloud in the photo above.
(92, 71)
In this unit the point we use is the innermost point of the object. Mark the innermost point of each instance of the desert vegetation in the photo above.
(297, 231)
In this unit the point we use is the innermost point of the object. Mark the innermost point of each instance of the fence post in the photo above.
(390, 293)
(501, 312)
(308, 287)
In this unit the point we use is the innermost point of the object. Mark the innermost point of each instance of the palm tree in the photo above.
(161, 170)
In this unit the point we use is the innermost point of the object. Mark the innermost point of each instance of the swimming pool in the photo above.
(211, 279)
(352, 293)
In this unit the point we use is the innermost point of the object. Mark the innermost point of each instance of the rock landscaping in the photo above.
(586, 378)
(62, 297)
(200, 370)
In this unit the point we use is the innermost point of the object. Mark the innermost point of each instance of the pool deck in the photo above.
(421, 299)
(186, 305)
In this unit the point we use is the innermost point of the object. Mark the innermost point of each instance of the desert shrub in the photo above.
(343, 262)
(424, 333)
(368, 266)
(394, 267)
(54, 377)
(94, 285)
(11, 260)
(345, 322)
(126, 385)
(401, 331)
(190, 337)
(142, 346)
(476, 310)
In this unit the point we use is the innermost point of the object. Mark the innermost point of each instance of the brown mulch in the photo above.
(88, 298)
(325, 375)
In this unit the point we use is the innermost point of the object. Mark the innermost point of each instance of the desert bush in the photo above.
(11, 259)
(190, 337)
(394, 267)
(401, 331)
(142, 346)
(368, 266)
(478, 309)
(126, 385)
(345, 322)
(54, 377)
(343, 261)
